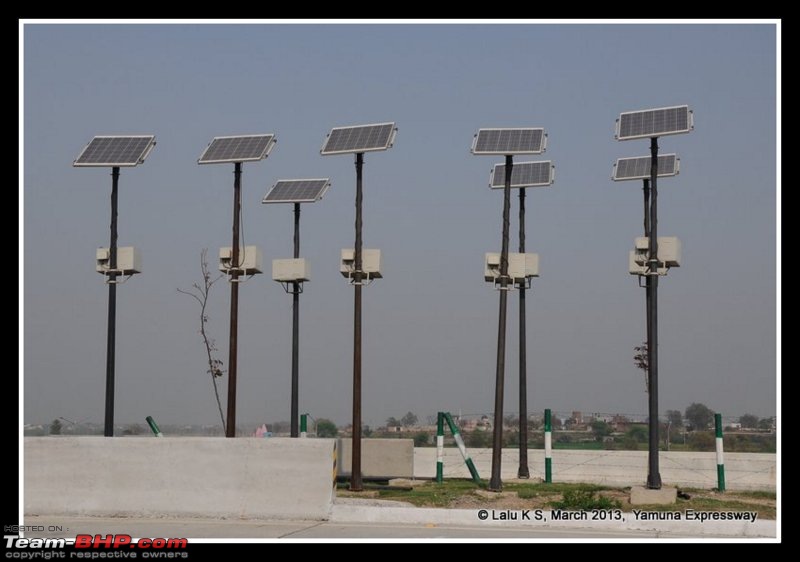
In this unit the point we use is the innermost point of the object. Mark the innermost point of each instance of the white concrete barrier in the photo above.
(180, 476)
(380, 458)
(743, 471)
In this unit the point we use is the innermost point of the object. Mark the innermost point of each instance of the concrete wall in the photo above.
(179, 476)
(380, 458)
(743, 471)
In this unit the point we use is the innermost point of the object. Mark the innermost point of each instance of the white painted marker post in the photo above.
(440, 447)
(548, 447)
(720, 458)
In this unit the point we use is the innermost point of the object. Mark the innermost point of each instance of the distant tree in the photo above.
(701, 441)
(675, 418)
(200, 293)
(431, 420)
(55, 427)
(699, 415)
(326, 428)
(600, 429)
(366, 431)
(133, 429)
(630, 443)
(511, 421)
(749, 421)
(638, 433)
(765, 423)
(409, 420)
(280, 427)
(479, 439)
(392, 422)
(421, 439)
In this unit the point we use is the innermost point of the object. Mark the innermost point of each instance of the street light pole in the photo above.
(108, 430)
(295, 408)
(495, 484)
(355, 479)
(653, 475)
(523, 471)
(230, 425)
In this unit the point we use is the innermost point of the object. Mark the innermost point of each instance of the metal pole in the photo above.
(462, 448)
(154, 426)
(647, 298)
(295, 328)
(548, 447)
(108, 430)
(230, 425)
(440, 447)
(653, 475)
(720, 455)
(523, 471)
(303, 425)
(495, 483)
(355, 479)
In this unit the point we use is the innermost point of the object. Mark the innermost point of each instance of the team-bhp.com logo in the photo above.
(151, 548)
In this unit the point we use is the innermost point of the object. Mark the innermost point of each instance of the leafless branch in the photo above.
(200, 293)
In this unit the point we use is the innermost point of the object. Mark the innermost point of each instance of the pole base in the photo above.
(523, 473)
(645, 496)
(654, 481)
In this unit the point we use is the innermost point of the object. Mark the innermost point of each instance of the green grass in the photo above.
(584, 500)
(432, 494)
(584, 445)
(757, 494)
(442, 495)
(714, 504)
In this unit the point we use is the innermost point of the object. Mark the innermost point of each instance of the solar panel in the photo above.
(639, 167)
(359, 138)
(116, 151)
(242, 148)
(297, 191)
(509, 141)
(650, 123)
(523, 174)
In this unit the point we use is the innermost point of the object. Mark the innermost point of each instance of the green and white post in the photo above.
(303, 425)
(720, 459)
(548, 447)
(461, 447)
(439, 447)
(154, 426)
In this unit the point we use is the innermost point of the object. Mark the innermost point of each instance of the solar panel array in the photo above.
(639, 168)
(297, 191)
(509, 141)
(654, 122)
(523, 174)
(362, 138)
(244, 148)
(116, 151)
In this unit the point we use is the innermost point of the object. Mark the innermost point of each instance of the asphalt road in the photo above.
(228, 529)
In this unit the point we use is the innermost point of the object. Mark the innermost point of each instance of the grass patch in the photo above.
(535, 489)
(582, 445)
(432, 494)
(756, 494)
(584, 500)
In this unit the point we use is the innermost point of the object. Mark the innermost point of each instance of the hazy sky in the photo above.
(430, 325)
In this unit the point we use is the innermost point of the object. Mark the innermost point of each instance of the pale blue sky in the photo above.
(430, 324)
